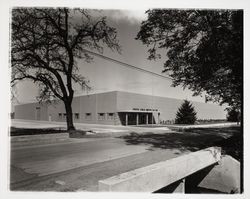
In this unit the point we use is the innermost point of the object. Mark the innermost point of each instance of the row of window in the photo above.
(104, 116)
(88, 116)
(63, 115)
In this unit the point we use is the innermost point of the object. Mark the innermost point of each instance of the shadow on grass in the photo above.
(25, 131)
(229, 138)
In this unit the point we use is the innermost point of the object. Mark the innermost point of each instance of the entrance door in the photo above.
(142, 118)
(38, 113)
(131, 119)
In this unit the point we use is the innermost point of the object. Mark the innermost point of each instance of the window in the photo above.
(64, 115)
(76, 116)
(60, 115)
(111, 116)
(101, 116)
(88, 116)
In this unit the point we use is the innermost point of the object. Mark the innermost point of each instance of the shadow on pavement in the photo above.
(229, 138)
(33, 131)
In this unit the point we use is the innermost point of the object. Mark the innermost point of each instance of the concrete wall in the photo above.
(113, 102)
(128, 101)
(96, 104)
(156, 176)
(29, 112)
(167, 106)
(58, 107)
(88, 104)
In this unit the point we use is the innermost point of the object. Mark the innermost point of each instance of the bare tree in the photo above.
(46, 44)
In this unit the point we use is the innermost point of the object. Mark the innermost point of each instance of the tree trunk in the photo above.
(69, 115)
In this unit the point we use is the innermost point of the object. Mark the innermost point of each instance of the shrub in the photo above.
(233, 115)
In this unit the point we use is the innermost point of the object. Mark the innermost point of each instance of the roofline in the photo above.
(121, 92)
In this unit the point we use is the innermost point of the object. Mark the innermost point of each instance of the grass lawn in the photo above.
(23, 131)
(228, 138)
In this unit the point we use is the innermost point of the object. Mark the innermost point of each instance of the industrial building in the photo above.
(117, 108)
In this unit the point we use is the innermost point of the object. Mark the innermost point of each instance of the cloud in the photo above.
(132, 16)
(127, 16)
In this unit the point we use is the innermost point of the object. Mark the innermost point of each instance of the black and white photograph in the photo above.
(126, 100)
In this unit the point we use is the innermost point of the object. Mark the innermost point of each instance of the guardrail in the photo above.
(170, 174)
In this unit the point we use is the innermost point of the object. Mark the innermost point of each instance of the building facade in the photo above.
(117, 108)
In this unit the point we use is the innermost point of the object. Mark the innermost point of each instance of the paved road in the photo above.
(38, 161)
(51, 158)
(86, 178)
(37, 158)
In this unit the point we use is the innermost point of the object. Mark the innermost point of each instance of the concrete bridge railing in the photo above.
(213, 172)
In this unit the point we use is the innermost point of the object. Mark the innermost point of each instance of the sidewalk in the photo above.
(227, 124)
(96, 128)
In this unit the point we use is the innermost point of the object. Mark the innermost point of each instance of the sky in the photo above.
(107, 76)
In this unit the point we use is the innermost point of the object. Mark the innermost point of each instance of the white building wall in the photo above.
(167, 106)
(113, 102)
(29, 111)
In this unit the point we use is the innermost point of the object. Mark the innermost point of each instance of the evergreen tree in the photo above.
(186, 114)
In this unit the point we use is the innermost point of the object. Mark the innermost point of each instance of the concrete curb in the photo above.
(158, 175)
(180, 127)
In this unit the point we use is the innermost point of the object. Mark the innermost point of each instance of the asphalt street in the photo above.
(52, 158)
(57, 162)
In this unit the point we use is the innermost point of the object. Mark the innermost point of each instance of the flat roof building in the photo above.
(117, 108)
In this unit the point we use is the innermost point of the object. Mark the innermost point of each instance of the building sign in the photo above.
(143, 109)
